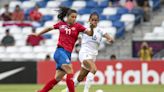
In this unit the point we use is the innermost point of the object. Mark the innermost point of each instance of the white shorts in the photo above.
(84, 56)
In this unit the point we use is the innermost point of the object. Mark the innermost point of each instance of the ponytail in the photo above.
(64, 11)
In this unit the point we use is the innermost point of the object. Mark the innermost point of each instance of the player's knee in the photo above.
(67, 68)
(80, 79)
(58, 79)
(87, 65)
(69, 71)
(93, 70)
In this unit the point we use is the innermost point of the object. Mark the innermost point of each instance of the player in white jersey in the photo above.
(89, 51)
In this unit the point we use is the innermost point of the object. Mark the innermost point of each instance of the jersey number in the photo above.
(68, 31)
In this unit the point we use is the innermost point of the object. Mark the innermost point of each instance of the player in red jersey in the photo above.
(69, 30)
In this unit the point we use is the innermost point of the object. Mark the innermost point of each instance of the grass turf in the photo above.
(105, 88)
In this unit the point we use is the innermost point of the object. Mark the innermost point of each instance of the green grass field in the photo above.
(105, 88)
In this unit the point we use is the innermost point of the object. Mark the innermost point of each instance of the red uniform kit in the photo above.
(68, 34)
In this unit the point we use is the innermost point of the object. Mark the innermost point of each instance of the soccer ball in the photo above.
(99, 90)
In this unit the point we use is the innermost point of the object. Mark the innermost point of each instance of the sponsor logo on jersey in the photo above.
(73, 28)
(67, 60)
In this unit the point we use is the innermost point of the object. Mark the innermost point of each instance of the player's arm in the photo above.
(89, 32)
(44, 31)
(109, 38)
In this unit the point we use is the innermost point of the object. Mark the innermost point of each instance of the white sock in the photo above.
(76, 82)
(88, 82)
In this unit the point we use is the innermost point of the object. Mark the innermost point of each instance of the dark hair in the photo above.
(17, 6)
(64, 11)
(113, 56)
(94, 13)
(48, 56)
(6, 5)
(37, 5)
(7, 31)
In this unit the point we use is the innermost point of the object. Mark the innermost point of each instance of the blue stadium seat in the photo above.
(98, 10)
(114, 18)
(89, 10)
(84, 11)
(104, 4)
(42, 4)
(139, 13)
(156, 4)
(122, 10)
(120, 28)
(66, 3)
(91, 4)
(102, 17)
(47, 18)
(118, 24)
(47, 36)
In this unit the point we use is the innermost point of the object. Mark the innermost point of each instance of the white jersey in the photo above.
(90, 44)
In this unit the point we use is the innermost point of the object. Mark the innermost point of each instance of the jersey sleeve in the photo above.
(57, 25)
(81, 28)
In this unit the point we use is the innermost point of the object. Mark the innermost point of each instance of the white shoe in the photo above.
(86, 90)
(64, 90)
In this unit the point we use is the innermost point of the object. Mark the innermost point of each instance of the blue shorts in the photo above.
(61, 56)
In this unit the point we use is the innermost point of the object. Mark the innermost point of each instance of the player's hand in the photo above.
(111, 41)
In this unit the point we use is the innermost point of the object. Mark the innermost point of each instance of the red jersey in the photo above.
(34, 40)
(68, 34)
(35, 15)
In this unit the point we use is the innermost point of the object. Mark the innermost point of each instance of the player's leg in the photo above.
(84, 70)
(83, 73)
(89, 65)
(65, 60)
(49, 85)
(69, 79)
(83, 57)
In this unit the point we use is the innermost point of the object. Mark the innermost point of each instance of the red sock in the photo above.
(49, 86)
(70, 83)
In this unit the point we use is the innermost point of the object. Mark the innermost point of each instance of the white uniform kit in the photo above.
(90, 45)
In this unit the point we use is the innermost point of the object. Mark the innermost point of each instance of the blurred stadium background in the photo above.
(26, 66)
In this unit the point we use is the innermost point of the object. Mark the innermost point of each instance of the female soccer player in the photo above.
(69, 30)
(89, 51)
